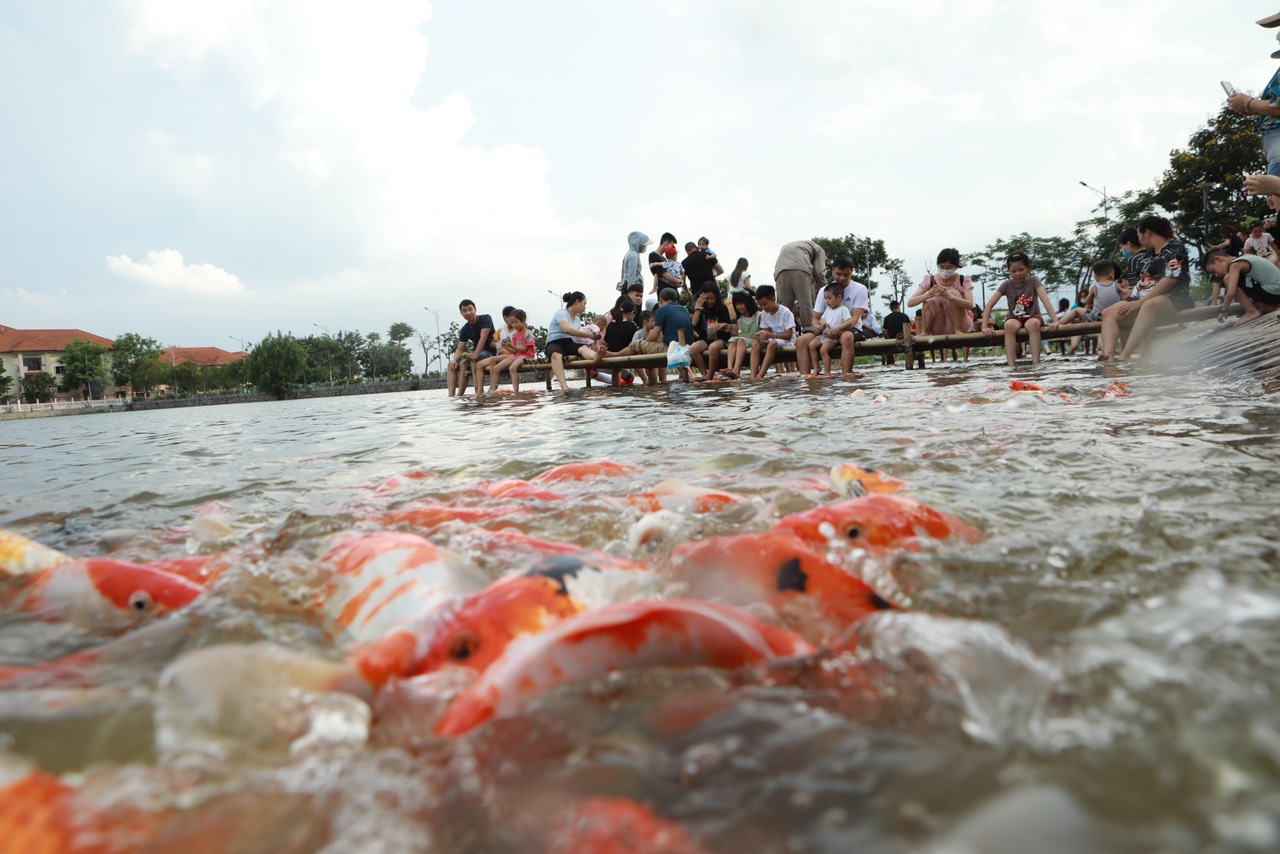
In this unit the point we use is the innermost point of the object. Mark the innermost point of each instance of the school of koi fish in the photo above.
(443, 617)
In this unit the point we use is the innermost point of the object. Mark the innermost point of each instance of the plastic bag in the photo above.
(677, 355)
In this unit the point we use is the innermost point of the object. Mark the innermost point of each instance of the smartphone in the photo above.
(1228, 88)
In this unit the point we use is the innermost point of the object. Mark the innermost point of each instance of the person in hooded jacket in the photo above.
(632, 266)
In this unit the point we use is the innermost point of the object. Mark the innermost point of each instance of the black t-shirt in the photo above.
(893, 324)
(719, 313)
(618, 334)
(655, 267)
(471, 331)
(700, 267)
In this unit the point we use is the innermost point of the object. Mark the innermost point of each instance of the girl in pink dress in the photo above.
(947, 298)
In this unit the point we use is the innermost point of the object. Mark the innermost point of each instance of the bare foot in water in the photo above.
(1247, 316)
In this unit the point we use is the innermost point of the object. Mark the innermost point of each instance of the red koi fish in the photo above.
(518, 490)
(1116, 389)
(102, 594)
(384, 580)
(474, 631)
(683, 498)
(616, 826)
(658, 633)
(397, 482)
(1019, 385)
(782, 571)
(145, 650)
(876, 523)
(433, 514)
(40, 814)
(844, 475)
(20, 556)
(586, 471)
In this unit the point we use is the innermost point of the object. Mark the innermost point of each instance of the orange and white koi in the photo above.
(586, 471)
(877, 524)
(1116, 389)
(41, 814)
(101, 594)
(20, 556)
(680, 497)
(474, 631)
(658, 633)
(616, 826)
(429, 514)
(518, 490)
(146, 650)
(844, 475)
(397, 482)
(782, 571)
(1021, 385)
(384, 580)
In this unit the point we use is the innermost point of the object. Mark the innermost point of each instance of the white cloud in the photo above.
(165, 270)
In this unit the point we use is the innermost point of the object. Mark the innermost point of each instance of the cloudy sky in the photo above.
(205, 173)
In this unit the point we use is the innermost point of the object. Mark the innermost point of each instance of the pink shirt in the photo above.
(524, 345)
(939, 321)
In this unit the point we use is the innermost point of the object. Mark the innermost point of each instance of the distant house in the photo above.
(207, 358)
(25, 352)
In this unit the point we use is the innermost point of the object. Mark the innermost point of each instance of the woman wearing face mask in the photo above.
(947, 298)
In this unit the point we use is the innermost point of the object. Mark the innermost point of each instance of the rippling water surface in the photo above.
(1098, 674)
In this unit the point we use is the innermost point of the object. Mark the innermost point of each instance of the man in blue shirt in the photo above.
(670, 320)
(477, 331)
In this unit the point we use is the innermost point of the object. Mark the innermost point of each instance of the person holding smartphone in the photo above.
(1264, 106)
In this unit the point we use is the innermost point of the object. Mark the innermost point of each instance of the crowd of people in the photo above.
(678, 308)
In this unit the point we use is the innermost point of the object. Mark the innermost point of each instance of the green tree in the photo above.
(230, 377)
(400, 332)
(130, 356)
(38, 388)
(276, 363)
(867, 254)
(1203, 187)
(188, 378)
(84, 365)
(6, 382)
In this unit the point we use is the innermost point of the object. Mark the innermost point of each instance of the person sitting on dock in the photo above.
(671, 322)
(1107, 290)
(777, 327)
(641, 345)
(1024, 294)
(855, 298)
(713, 324)
(1254, 281)
(1170, 270)
(563, 334)
(946, 299)
(521, 347)
(478, 332)
(894, 322)
(833, 328)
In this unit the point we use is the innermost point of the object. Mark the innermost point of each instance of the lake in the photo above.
(1097, 674)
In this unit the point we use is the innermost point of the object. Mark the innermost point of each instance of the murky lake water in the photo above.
(1098, 674)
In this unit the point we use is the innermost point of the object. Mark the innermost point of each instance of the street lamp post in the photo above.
(439, 369)
(1103, 192)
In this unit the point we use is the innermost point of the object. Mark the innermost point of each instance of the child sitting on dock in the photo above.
(1022, 291)
(834, 329)
(747, 316)
(520, 347)
(777, 328)
(640, 345)
(1107, 290)
(618, 336)
(1254, 281)
(1260, 243)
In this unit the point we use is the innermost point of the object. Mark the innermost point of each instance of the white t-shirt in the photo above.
(833, 317)
(1263, 245)
(855, 296)
(779, 322)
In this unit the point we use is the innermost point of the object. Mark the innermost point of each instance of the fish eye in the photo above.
(462, 646)
(853, 532)
(140, 601)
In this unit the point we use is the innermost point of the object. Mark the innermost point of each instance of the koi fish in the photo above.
(616, 826)
(658, 633)
(881, 398)
(518, 490)
(145, 650)
(586, 471)
(681, 497)
(432, 514)
(474, 631)
(102, 594)
(397, 482)
(1116, 389)
(40, 814)
(843, 475)
(1019, 385)
(20, 556)
(782, 571)
(384, 580)
(876, 523)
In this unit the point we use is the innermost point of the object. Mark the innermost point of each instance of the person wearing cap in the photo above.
(669, 321)
(800, 274)
(1265, 108)
(631, 272)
